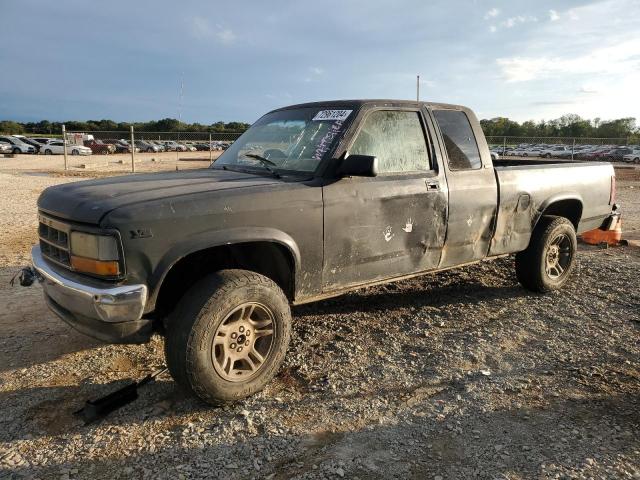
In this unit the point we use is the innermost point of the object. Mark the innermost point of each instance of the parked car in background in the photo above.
(17, 145)
(617, 154)
(189, 147)
(159, 144)
(120, 146)
(56, 147)
(174, 146)
(633, 157)
(555, 151)
(5, 147)
(597, 154)
(99, 147)
(29, 141)
(146, 146)
(42, 140)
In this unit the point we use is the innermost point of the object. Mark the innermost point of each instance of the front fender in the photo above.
(217, 238)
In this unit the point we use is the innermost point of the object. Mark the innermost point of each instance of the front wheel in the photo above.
(47, 152)
(548, 261)
(228, 335)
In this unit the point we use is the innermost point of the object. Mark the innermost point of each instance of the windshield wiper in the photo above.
(265, 162)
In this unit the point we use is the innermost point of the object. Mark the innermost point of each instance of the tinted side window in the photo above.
(459, 140)
(396, 138)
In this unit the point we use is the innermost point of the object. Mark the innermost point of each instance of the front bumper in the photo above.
(99, 309)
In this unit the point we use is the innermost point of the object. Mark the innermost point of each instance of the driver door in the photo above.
(390, 225)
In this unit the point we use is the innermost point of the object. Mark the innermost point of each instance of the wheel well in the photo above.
(267, 258)
(571, 209)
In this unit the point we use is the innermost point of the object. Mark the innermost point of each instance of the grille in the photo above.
(54, 241)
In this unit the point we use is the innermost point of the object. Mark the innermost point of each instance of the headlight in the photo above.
(97, 254)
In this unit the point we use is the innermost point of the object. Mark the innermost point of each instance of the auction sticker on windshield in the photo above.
(332, 115)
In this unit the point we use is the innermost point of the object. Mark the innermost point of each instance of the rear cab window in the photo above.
(459, 140)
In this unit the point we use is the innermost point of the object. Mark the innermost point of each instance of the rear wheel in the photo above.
(75, 152)
(228, 336)
(636, 160)
(48, 152)
(548, 261)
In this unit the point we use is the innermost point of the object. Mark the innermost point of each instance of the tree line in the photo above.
(565, 126)
(165, 125)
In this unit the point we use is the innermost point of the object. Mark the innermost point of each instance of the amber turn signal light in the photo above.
(97, 267)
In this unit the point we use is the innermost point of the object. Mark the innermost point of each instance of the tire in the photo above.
(547, 155)
(554, 238)
(636, 160)
(215, 309)
(48, 152)
(16, 151)
(75, 152)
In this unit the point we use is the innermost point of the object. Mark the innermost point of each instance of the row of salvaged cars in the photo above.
(609, 153)
(88, 145)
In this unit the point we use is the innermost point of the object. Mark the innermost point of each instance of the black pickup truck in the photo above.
(314, 200)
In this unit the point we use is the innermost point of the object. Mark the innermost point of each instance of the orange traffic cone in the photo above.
(612, 236)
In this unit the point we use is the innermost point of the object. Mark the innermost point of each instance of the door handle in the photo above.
(433, 185)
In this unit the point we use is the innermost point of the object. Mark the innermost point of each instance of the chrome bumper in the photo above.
(95, 308)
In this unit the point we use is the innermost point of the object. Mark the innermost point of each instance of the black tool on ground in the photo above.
(25, 277)
(96, 409)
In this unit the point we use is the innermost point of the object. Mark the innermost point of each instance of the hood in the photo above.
(90, 200)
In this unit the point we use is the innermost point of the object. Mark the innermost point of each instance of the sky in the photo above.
(208, 61)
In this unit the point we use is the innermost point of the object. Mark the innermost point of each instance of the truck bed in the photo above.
(527, 187)
(503, 162)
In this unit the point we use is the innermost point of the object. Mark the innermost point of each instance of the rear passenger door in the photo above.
(473, 191)
(393, 224)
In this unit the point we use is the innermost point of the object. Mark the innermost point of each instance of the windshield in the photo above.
(294, 140)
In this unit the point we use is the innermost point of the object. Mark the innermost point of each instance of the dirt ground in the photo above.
(458, 375)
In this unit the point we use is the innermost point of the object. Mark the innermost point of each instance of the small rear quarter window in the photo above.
(459, 140)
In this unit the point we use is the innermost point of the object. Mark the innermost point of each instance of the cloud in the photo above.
(315, 72)
(494, 12)
(202, 29)
(619, 59)
(589, 90)
(493, 29)
(225, 35)
(553, 15)
(553, 103)
(520, 19)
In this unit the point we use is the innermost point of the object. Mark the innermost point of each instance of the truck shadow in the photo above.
(420, 292)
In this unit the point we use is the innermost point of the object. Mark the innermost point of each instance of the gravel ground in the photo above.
(458, 375)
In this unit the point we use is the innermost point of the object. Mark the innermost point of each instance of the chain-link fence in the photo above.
(136, 146)
(610, 149)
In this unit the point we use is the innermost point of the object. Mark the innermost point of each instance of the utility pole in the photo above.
(418, 88)
(210, 150)
(64, 145)
(133, 152)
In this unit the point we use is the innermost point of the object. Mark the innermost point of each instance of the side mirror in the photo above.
(359, 166)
